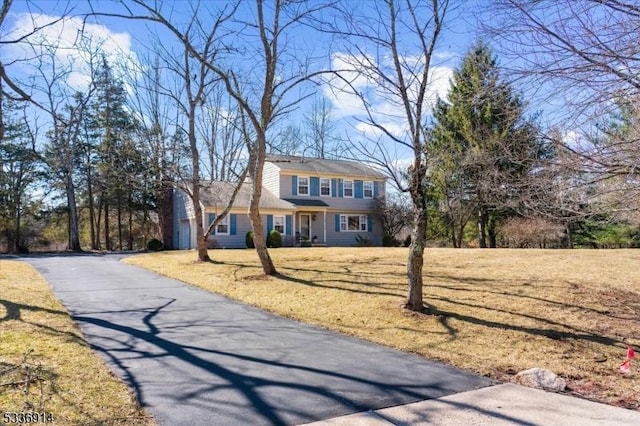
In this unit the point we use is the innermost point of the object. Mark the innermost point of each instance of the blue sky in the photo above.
(128, 41)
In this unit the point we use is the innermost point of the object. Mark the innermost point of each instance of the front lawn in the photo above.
(48, 372)
(495, 312)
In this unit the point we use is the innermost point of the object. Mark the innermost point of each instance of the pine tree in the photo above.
(20, 170)
(481, 146)
(119, 157)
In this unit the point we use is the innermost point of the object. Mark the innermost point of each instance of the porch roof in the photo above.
(306, 203)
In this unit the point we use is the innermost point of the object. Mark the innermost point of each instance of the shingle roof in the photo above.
(321, 165)
(306, 203)
(218, 194)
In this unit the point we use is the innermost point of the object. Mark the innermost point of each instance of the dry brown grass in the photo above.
(495, 312)
(39, 339)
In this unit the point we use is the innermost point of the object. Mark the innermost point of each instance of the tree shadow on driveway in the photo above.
(259, 386)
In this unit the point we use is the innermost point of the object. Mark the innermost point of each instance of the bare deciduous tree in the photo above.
(263, 93)
(586, 49)
(582, 55)
(10, 87)
(190, 96)
(395, 214)
(320, 141)
(376, 51)
(220, 128)
(156, 116)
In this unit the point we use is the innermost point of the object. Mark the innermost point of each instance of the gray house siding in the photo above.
(280, 182)
(183, 221)
(240, 224)
(348, 239)
(337, 200)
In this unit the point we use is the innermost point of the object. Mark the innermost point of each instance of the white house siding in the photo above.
(270, 179)
(285, 186)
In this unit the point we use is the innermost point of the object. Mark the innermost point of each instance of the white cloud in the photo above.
(72, 43)
(343, 90)
(383, 100)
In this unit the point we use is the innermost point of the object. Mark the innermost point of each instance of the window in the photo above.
(353, 223)
(367, 189)
(325, 187)
(222, 228)
(303, 186)
(278, 224)
(347, 190)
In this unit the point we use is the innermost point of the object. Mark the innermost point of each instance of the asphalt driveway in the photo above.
(197, 358)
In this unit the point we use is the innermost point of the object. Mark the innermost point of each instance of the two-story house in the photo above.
(306, 199)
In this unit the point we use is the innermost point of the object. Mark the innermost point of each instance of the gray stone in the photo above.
(540, 378)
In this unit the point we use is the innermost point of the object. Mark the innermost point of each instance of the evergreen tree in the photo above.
(119, 159)
(481, 147)
(20, 170)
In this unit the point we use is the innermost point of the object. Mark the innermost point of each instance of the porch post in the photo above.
(324, 225)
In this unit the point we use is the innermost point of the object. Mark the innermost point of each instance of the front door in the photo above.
(305, 226)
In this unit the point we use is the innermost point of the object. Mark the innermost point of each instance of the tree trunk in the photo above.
(569, 237)
(107, 240)
(491, 230)
(17, 246)
(119, 210)
(482, 233)
(130, 239)
(415, 261)
(259, 239)
(74, 234)
(97, 224)
(201, 239)
(94, 240)
(492, 237)
(460, 235)
(165, 215)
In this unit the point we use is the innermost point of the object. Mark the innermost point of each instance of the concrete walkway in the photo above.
(196, 358)
(500, 405)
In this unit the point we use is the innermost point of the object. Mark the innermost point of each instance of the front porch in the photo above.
(310, 223)
(310, 228)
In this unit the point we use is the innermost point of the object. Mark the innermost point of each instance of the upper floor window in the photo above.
(347, 190)
(303, 186)
(367, 189)
(325, 187)
(278, 224)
